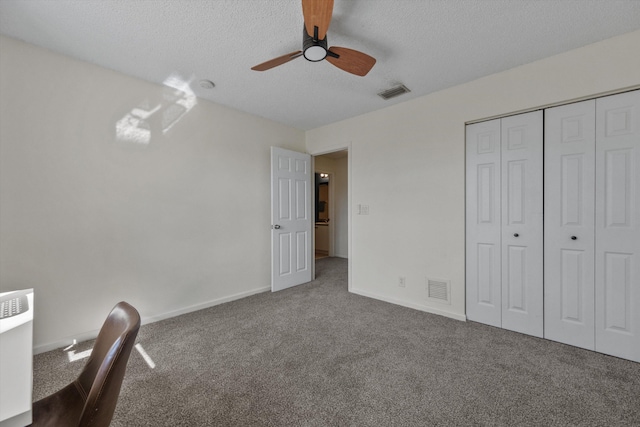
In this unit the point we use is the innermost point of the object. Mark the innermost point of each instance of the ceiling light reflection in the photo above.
(133, 127)
(177, 100)
(145, 356)
(73, 356)
(181, 101)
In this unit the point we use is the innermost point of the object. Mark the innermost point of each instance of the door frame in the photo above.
(339, 147)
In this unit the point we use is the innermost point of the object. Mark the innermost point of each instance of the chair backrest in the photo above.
(102, 375)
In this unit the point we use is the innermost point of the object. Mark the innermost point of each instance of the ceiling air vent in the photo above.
(439, 290)
(393, 92)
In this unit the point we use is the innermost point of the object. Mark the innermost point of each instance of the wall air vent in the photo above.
(393, 92)
(439, 290)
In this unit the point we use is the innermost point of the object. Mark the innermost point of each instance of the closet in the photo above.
(584, 289)
(504, 223)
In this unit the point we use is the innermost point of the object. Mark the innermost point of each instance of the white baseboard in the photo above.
(204, 305)
(84, 336)
(89, 335)
(415, 306)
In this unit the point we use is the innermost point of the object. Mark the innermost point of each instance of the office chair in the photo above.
(91, 399)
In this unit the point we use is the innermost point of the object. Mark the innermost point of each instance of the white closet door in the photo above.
(483, 223)
(618, 225)
(522, 229)
(569, 171)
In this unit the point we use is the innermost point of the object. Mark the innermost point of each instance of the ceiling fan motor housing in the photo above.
(313, 50)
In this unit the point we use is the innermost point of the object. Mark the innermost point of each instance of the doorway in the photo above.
(331, 204)
(323, 213)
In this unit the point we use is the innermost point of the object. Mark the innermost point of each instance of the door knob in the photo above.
(515, 234)
(574, 238)
(276, 227)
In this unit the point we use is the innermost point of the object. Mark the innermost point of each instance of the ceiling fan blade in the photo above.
(351, 61)
(277, 61)
(317, 13)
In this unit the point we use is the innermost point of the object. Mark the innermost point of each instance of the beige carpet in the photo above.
(316, 355)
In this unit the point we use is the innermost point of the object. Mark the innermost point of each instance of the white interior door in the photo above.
(522, 227)
(483, 233)
(569, 171)
(291, 218)
(618, 225)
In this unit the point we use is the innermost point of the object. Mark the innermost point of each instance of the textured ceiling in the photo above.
(427, 45)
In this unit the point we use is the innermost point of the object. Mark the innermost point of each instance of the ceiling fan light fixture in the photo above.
(313, 50)
(317, 17)
(315, 53)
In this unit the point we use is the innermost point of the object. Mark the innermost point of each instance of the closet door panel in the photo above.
(569, 171)
(483, 223)
(617, 266)
(522, 228)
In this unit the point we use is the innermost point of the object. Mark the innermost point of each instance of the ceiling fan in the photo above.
(317, 17)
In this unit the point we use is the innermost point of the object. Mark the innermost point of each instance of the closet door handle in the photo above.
(515, 235)
(574, 238)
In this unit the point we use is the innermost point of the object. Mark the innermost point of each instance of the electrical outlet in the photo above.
(402, 281)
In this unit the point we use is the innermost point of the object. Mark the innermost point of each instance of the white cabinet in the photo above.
(591, 248)
(504, 223)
